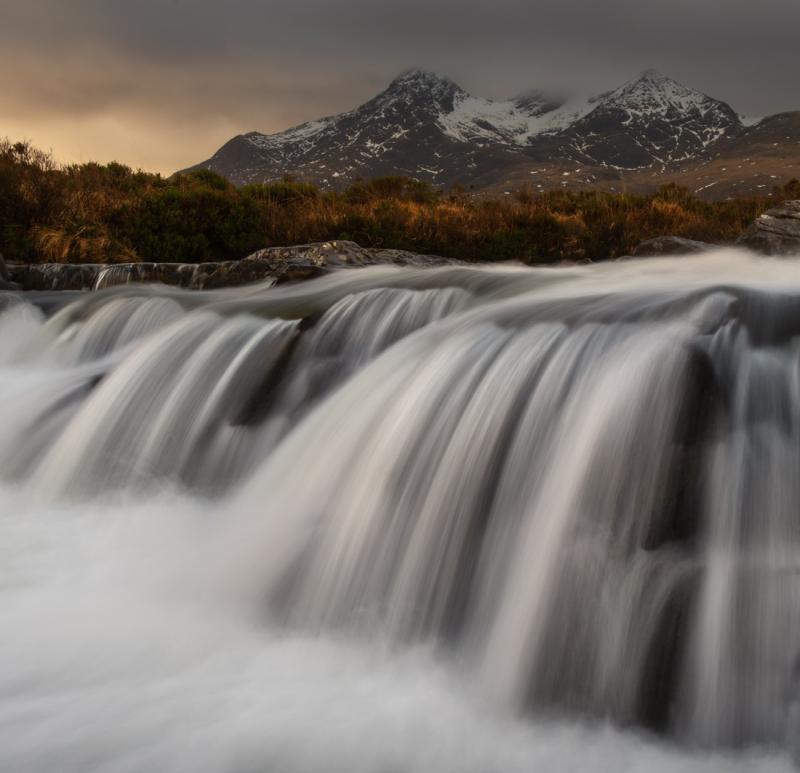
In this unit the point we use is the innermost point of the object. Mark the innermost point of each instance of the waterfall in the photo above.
(581, 484)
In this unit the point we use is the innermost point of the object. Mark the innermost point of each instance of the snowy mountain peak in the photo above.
(649, 121)
(651, 75)
(423, 82)
(419, 76)
(654, 93)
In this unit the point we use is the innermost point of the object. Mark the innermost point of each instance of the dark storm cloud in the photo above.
(163, 83)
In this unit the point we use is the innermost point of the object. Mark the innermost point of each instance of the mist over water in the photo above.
(453, 519)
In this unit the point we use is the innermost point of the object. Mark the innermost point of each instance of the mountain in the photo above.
(652, 120)
(415, 127)
(647, 131)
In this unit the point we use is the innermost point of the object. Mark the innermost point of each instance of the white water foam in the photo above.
(113, 660)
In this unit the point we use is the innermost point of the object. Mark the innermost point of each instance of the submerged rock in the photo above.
(278, 264)
(776, 232)
(670, 245)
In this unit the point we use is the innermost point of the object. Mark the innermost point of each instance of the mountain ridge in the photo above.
(425, 126)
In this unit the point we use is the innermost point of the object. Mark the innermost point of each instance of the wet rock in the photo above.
(776, 232)
(54, 276)
(660, 685)
(5, 278)
(275, 264)
(670, 245)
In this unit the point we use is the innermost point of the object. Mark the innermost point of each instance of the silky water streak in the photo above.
(396, 519)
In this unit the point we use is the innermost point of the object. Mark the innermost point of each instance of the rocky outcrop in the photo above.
(5, 278)
(670, 245)
(275, 264)
(776, 232)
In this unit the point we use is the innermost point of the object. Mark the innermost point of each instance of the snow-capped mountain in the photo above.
(415, 127)
(427, 127)
(652, 120)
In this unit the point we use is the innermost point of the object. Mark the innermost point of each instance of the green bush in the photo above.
(190, 226)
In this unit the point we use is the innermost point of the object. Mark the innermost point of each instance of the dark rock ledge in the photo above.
(276, 264)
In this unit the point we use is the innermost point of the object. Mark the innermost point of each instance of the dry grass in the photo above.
(59, 245)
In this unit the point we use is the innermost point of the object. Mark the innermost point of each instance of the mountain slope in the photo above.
(427, 127)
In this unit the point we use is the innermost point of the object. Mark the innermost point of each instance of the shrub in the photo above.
(189, 226)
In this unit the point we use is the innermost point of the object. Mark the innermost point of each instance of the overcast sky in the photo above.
(161, 84)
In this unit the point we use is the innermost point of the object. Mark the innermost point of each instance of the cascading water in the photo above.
(396, 519)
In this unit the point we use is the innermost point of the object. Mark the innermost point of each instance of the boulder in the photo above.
(776, 232)
(670, 245)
